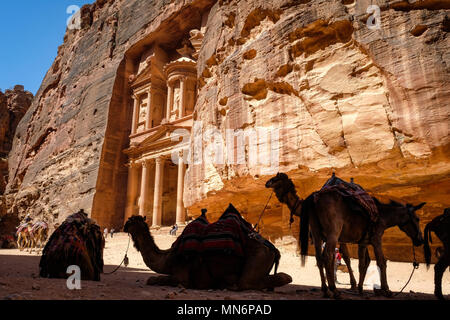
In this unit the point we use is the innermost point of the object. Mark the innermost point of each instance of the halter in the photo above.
(297, 203)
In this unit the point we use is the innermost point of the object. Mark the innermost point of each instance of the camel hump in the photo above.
(355, 195)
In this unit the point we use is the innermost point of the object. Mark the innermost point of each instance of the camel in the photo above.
(39, 234)
(24, 236)
(441, 227)
(332, 219)
(285, 192)
(212, 269)
(77, 241)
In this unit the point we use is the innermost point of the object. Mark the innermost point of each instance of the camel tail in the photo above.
(307, 206)
(426, 246)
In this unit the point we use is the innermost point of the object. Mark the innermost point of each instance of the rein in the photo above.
(260, 216)
(415, 266)
(291, 220)
(125, 259)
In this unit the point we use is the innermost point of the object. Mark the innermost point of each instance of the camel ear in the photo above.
(419, 206)
(145, 218)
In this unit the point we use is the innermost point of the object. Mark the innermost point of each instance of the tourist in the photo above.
(105, 233)
(112, 232)
(173, 232)
(337, 263)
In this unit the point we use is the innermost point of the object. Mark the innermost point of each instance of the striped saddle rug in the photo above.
(228, 235)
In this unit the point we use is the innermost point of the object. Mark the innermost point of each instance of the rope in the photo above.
(125, 259)
(415, 266)
(260, 216)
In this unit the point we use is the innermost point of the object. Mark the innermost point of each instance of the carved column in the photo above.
(169, 101)
(148, 120)
(135, 115)
(132, 189)
(157, 199)
(180, 218)
(182, 106)
(144, 187)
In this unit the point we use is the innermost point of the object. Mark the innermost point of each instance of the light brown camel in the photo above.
(24, 236)
(331, 219)
(207, 270)
(39, 234)
(286, 193)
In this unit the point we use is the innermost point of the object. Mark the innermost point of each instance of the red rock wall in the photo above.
(369, 104)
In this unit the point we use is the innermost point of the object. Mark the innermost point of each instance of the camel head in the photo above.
(136, 227)
(281, 185)
(408, 221)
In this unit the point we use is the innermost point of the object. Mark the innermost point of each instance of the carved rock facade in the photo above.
(325, 91)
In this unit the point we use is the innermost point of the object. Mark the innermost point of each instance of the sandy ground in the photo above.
(19, 279)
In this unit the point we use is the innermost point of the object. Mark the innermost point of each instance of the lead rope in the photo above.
(415, 266)
(260, 216)
(125, 259)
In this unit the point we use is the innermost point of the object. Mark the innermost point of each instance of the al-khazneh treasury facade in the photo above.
(164, 92)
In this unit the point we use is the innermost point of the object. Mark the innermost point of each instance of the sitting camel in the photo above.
(237, 261)
(441, 227)
(77, 241)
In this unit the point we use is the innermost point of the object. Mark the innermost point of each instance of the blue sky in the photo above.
(30, 33)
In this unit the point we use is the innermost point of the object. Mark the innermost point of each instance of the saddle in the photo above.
(228, 235)
(355, 196)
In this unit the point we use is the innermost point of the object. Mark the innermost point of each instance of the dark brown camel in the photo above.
(207, 270)
(441, 227)
(285, 191)
(78, 241)
(332, 220)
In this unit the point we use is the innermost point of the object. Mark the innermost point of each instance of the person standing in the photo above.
(337, 262)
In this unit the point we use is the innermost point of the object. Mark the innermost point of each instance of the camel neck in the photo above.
(153, 257)
(292, 201)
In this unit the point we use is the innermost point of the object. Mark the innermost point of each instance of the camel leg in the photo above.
(381, 263)
(439, 270)
(346, 257)
(320, 261)
(329, 255)
(256, 276)
(363, 264)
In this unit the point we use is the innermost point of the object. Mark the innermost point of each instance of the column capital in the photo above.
(160, 160)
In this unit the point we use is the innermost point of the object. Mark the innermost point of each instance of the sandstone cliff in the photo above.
(13, 106)
(368, 103)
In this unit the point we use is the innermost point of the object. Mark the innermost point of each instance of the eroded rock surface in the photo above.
(335, 95)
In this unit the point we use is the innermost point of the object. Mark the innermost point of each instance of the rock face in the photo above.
(311, 87)
(368, 103)
(13, 106)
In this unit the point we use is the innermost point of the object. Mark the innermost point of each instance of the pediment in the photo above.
(161, 136)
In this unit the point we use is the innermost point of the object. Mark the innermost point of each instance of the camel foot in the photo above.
(337, 295)
(383, 292)
(439, 296)
(278, 280)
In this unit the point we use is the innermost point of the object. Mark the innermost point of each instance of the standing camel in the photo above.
(39, 233)
(332, 219)
(285, 191)
(24, 236)
(441, 227)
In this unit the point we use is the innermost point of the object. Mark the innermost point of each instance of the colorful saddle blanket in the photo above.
(228, 235)
(353, 193)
